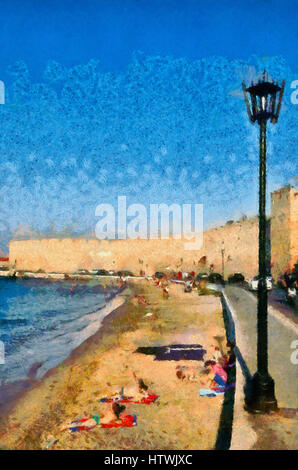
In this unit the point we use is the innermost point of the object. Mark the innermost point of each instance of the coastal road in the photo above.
(282, 334)
(277, 299)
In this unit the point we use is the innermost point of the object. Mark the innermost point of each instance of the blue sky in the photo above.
(138, 98)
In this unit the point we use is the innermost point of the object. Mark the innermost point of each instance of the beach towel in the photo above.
(144, 401)
(175, 352)
(208, 392)
(127, 421)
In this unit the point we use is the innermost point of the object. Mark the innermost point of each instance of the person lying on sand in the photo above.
(112, 418)
(138, 391)
(112, 415)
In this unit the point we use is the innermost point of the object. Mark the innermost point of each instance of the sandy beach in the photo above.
(105, 362)
(11, 391)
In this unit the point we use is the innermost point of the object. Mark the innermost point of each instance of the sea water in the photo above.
(42, 321)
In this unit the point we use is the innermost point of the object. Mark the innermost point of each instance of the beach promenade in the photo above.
(107, 362)
(271, 432)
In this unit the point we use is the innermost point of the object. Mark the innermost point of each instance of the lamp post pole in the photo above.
(223, 259)
(262, 285)
(260, 397)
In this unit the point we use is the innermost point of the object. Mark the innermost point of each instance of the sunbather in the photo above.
(111, 415)
(135, 393)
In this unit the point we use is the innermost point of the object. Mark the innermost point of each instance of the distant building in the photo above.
(284, 230)
(4, 262)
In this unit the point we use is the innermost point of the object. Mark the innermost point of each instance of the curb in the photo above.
(243, 436)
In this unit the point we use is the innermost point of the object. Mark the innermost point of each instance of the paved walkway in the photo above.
(282, 334)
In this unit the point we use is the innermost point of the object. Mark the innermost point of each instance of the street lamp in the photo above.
(264, 103)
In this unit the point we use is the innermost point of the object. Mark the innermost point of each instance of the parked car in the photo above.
(124, 273)
(159, 275)
(291, 295)
(236, 278)
(289, 282)
(216, 278)
(201, 277)
(102, 272)
(82, 271)
(253, 283)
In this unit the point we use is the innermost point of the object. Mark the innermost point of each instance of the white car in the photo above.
(253, 283)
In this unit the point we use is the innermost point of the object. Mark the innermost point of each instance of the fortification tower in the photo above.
(284, 230)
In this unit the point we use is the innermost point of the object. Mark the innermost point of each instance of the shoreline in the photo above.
(104, 363)
(10, 274)
(12, 392)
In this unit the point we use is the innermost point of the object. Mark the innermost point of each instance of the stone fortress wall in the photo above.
(70, 254)
(240, 244)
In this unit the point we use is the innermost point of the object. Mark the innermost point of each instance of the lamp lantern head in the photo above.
(264, 101)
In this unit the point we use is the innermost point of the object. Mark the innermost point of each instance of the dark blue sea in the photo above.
(42, 321)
